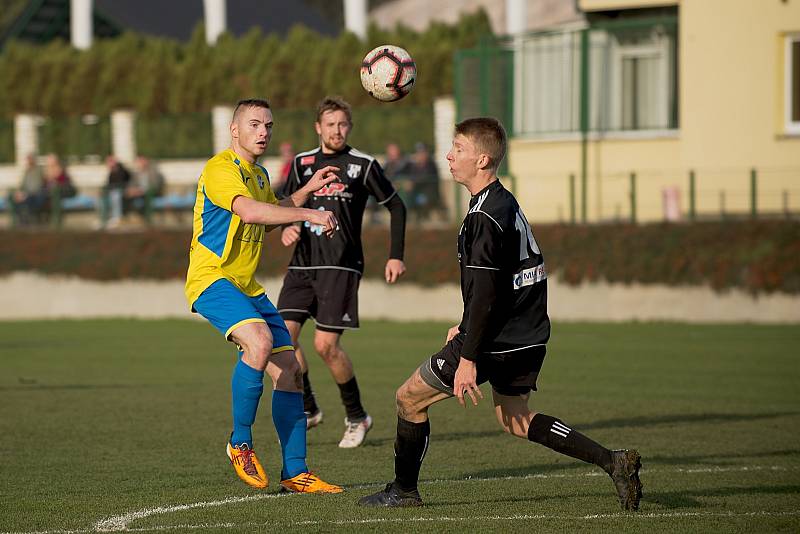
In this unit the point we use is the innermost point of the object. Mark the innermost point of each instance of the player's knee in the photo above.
(513, 424)
(328, 350)
(261, 346)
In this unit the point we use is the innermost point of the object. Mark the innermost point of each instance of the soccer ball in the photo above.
(388, 73)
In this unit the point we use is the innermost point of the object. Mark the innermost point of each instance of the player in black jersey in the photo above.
(324, 272)
(502, 335)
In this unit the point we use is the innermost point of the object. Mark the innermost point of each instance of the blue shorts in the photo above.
(227, 308)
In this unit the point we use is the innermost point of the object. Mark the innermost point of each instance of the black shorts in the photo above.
(511, 373)
(330, 296)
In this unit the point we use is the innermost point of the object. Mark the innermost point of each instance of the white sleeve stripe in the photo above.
(366, 174)
(490, 217)
(382, 202)
(479, 267)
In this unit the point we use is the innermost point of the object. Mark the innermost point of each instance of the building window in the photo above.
(793, 84)
(632, 79)
(641, 90)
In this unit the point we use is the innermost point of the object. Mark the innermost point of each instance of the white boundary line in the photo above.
(121, 522)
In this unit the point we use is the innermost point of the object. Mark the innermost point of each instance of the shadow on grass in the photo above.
(636, 422)
(666, 499)
(691, 499)
(679, 419)
(565, 463)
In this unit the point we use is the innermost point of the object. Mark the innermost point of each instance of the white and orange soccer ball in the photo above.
(388, 73)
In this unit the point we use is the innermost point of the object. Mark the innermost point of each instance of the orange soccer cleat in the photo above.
(247, 466)
(309, 483)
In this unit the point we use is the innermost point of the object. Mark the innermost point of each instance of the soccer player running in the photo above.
(502, 335)
(323, 276)
(234, 208)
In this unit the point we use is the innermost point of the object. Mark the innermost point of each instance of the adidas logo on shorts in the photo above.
(308, 172)
(440, 363)
(346, 317)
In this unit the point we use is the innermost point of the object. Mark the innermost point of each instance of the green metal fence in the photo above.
(6, 141)
(85, 138)
(611, 76)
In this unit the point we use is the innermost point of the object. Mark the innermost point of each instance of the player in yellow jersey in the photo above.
(234, 208)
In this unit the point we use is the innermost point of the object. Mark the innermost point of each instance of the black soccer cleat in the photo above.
(392, 497)
(625, 475)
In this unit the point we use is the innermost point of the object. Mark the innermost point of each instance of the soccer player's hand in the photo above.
(290, 235)
(325, 219)
(322, 177)
(451, 333)
(465, 382)
(394, 270)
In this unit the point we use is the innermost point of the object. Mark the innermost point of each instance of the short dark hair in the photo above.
(250, 103)
(488, 135)
(334, 103)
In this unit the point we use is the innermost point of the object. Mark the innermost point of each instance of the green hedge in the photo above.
(759, 257)
(156, 76)
(6, 141)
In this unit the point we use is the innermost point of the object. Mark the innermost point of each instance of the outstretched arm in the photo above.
(321, 178)
(395, 268)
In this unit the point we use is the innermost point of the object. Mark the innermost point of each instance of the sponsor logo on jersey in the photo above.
(333, 189)
(307, 160)
(260, 181)
(308, 172)
(528, 277)
(353, 170)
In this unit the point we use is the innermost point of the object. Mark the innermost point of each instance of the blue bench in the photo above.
(174, 202)
(79, 203)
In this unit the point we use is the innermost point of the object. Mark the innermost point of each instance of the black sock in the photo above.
(554, 434)
(309, 402)
(409, 451)
(351, 398)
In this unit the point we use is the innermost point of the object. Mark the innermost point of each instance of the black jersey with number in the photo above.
(360, 176)
(503, 277)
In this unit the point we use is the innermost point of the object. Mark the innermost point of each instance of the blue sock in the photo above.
(290, 422)
(247, 385)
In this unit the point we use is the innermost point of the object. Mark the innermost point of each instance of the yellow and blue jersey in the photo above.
(222, 245)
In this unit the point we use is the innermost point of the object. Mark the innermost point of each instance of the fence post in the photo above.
(692, 198)
(26, 138)
(633, 198)
(123, 135)
(572, 214)
(753, 198)
(584, 118)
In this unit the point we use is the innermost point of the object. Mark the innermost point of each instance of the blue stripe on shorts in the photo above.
(225, 306)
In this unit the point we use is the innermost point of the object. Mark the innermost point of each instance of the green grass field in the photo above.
(122, 425)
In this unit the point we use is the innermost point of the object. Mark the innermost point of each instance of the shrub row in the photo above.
(759, 257)
(157, 76)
